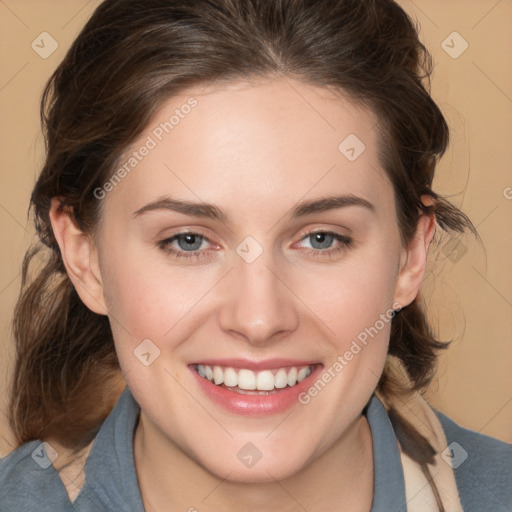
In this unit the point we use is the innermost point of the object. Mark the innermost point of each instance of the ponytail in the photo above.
(65, 360)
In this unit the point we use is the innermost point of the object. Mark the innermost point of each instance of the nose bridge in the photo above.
(257, 305)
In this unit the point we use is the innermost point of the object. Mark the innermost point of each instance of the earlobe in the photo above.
(414, 261)
(80, 257)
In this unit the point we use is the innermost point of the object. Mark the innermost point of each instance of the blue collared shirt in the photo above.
(28, 482)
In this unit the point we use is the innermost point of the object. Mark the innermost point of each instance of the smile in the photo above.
(250, 388)
(245, 381)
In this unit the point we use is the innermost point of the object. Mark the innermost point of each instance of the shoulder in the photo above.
(482, 467)
(37, 477)
(29, 482)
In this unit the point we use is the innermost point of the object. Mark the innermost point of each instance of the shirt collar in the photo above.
(389, 484)
(110, 476)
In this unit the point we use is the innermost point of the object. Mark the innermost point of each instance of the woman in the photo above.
(238, 208)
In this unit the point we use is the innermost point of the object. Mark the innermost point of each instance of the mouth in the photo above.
(255, 388)
(249, 382)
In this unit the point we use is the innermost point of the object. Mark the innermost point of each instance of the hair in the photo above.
(130, 58)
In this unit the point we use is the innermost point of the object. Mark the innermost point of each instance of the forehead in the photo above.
(252, 144)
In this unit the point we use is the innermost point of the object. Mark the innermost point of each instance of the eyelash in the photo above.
(345, 242)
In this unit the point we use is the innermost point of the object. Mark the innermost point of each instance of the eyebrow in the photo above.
(210, 211)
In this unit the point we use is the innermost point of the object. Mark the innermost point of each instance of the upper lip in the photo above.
(266, 364)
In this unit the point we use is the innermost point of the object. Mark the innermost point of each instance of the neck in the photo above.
(340, 479)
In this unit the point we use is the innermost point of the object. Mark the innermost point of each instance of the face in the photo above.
(253, 244)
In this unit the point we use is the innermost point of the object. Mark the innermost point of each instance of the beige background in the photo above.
(468, 288)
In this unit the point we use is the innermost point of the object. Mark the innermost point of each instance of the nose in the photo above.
(258, 306)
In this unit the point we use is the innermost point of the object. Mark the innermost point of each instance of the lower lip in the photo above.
(255, 405)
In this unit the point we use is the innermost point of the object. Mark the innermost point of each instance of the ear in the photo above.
(413, 259)
(80, 257)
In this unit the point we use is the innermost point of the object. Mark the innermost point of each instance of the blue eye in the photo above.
(321, 242)
(189, 241)
(325, 240)
(188, 244)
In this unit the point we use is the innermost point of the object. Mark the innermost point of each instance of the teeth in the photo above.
(218, 375)
(247, 380)
(281, 379)
(200, 370)
(303, 373)
(265, 381)
(292, 377)
(230, 378)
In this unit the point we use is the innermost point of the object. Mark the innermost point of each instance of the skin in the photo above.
(254, 150)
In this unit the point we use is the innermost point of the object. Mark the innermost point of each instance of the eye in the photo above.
(321, 243)
(193, 245)
(184, 245)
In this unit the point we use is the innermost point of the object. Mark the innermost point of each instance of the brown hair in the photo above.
(130, 58)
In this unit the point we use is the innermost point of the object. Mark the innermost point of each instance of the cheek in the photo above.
(149, 300)
(356, 303)
(351, 297)
(151, 306)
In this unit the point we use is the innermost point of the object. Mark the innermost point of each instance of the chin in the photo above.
(271, 470)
